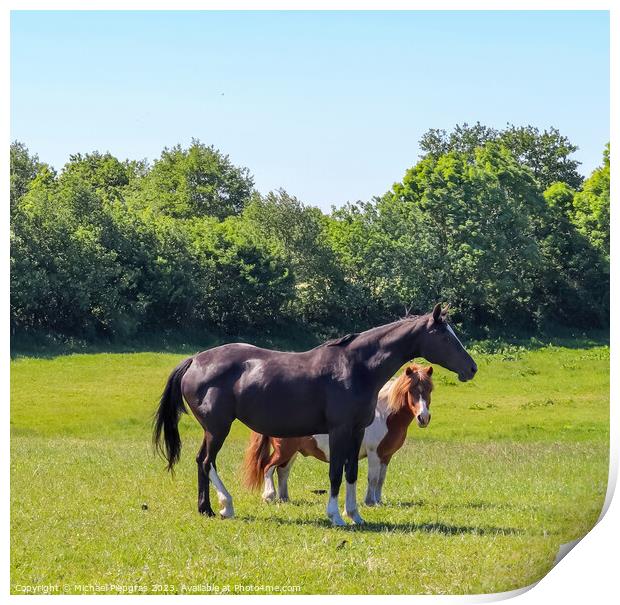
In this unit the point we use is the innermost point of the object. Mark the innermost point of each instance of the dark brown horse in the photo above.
(330, 389)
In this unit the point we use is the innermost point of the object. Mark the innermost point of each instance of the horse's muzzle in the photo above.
(468, 374)
(422, 423)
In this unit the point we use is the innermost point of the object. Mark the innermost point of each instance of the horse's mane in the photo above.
(348, 338)
(409, 316)
(397, 397)
(339, 342)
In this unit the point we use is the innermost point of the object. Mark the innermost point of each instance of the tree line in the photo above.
(498, 222)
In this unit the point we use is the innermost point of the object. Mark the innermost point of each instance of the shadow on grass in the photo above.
(403, 503)
(388, 526)
(479, 505)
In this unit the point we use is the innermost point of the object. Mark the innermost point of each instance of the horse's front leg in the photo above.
(382, 473)
(374, 470)
(339, 444)
(350, 471)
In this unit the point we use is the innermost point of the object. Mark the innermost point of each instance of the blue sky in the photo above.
(328, 105)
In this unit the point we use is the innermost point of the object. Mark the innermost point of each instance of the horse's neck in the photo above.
(385, 349)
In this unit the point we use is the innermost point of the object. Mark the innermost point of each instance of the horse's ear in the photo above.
(429, 370)
(408, 370)
(437, 313)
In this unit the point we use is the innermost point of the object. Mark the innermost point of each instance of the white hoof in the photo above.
(228, 512)
(337, 520)
(333, 514)
(355, 517)
(269, 497)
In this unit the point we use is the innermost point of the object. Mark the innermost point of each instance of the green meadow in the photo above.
(513, 464)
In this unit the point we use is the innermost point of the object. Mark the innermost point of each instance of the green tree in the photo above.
(63, 279)
(243, 282)
(574, 288)
(197, 181)
(474, 225)
(546, 154)
(591, 207)
(24, 169)
(298, 232)
(103, 174)
(376, 244)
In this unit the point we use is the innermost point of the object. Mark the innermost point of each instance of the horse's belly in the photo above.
(282, 421)
(281, 408)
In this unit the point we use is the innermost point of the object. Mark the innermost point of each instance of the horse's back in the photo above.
(263, 388)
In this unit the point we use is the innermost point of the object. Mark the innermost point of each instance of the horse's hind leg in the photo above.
(227, 511)
(204, 504)
(215, 439)
(269, 489)
(283, 473)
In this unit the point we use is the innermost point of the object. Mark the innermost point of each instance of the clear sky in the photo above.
(328, 105)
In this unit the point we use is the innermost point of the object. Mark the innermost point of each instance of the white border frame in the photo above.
(588, 572)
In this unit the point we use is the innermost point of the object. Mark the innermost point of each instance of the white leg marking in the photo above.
(269, 493)
(374, 470)
(350, 504)
(283, 473)
(333, 514)
(223, 496)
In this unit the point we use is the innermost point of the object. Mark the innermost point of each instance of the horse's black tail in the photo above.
(166, 438)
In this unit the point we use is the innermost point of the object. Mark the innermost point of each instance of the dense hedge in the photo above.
(499, 223)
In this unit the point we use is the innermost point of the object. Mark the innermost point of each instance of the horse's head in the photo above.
(419, 393)
(412, 389)
(440, 345)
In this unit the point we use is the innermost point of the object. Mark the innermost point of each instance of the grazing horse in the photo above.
(332, 389)
(399, 402)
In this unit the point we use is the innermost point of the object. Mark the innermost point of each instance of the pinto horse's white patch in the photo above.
(423, 415)
(374, 434)
(322, 442)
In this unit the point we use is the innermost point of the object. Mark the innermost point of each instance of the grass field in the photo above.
(513, 464)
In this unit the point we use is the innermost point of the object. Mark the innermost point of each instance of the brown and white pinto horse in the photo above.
(400, 401)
